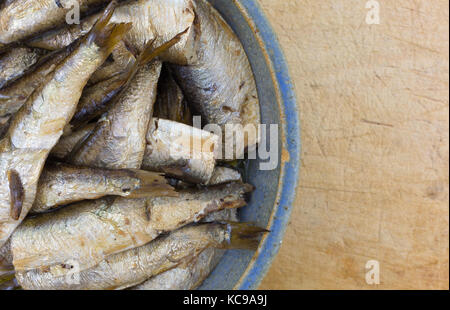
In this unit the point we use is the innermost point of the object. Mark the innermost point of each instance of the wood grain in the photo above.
(374, 110)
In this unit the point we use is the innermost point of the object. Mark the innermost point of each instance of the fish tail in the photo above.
(149, 53)
(243, 236)
(152, 184)
(17, 194)
(106, 35)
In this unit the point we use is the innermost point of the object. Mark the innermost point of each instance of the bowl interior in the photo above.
(263, 201)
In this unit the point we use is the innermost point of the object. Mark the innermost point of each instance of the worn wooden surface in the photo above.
(374, 110)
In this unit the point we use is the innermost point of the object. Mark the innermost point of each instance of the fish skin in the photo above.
(118, 141)
(6, 259)
(22, 19)
(89, 232)
(223, 175)
(220, 84)
(118, 224)
(96, 100)
(210, 64)
(163, 152)
(180, 151)
(14, 95)
(129, 268)
(149, 18)
(15, 62)
(191, 274)
(170, 102)
(4, 125)
(62, 184)
(193, 270)
(67, 143)
(61, 37)
(38, 125)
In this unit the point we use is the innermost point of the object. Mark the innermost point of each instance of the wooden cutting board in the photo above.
(373, 101)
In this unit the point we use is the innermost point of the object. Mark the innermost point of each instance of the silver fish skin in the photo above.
(39, 124)
(15, 62)
(181, 151)
(89, 232)
(24, 18)
(63, 184)
(220, 84)
(193, 270)
(126, 269)
(118, 141)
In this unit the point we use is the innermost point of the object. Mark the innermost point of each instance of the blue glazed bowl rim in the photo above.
(290, 124)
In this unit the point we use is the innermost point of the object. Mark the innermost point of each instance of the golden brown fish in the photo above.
(118, 141)
(39, 124)
(89, 232)
(170, 102)
(220, 83)
(192, 271)
(135, 266)
(21, 19)
(181, 151)
(62, 184)
(15, 62)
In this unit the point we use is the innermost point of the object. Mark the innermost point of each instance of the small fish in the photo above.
(38, 125)
(149, 18)
(89, 232)
(118, 141)
(193, 270)
(190, 274)
(96, 100)
(126, 269)
(62, 184)
(15, 62)
(180, 151)
(170, 102)
(63, 36)
(70, 141)
(24, 18)
(220, 83)
(14, 95)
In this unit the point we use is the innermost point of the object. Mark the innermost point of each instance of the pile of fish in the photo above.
(100, 187)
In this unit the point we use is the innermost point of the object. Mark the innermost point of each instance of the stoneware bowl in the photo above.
(270, 205)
